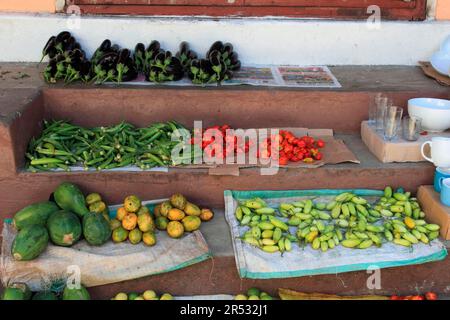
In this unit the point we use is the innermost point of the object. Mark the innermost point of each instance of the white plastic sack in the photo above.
(254, 263)
(101, 265)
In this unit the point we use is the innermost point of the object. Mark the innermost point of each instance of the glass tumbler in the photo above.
(412, 126)
(381, 107)
(373, 109)
(392, 122)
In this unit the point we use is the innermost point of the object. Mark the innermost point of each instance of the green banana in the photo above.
(365, 244)
(278, 223)
(350, 243)
(265, 210)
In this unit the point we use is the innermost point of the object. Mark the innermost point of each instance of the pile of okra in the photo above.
(63, 145)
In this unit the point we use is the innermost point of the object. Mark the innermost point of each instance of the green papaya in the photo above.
(76, 294)
(29, 243)
(69, 197)
(96, 229)
(64, 228)
(45, 295)
(17, 291)
(36, 213)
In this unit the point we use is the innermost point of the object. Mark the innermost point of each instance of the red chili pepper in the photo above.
(293, 148)
(288, 148)
(320, 143)
(431, 296)
(283, 161)
(301, 143)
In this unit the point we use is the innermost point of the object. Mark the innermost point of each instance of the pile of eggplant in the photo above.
(67, 59)
(110, 63)
(218, 66)
(157, 64)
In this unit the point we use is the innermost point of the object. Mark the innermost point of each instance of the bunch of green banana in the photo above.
(266, 231)
(408, 231)
(270, 236)
(348, 220)
(253, 211)
(319, 235)
(303, 210)
(398, 205)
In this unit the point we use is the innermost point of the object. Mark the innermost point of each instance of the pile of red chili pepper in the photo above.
(228, 144)
(294, 148)
(426, 296)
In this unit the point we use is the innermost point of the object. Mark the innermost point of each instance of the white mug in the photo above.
(440, 151)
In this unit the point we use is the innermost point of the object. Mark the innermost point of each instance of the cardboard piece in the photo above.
(334, 152)
(434, 210)
(429, 71)
(398, 150)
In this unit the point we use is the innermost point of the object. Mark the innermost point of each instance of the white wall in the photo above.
(259, 41)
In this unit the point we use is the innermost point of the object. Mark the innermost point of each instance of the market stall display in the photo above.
(64, 146)
(110, 63)
(275, 234)
(155, 65)
(323, 228)
(176, 216)
(43, 239)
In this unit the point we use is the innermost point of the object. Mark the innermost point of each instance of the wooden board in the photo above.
(342, 9)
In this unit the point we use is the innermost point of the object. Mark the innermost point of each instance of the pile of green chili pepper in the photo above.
(63, 145)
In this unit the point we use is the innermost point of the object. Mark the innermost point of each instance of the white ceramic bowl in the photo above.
(435, 113)
(445, 47)
(441, 62)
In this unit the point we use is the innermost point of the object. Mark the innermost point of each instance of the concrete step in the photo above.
(206, 189)
(219, 275)
(340, 109)
(26, 101)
